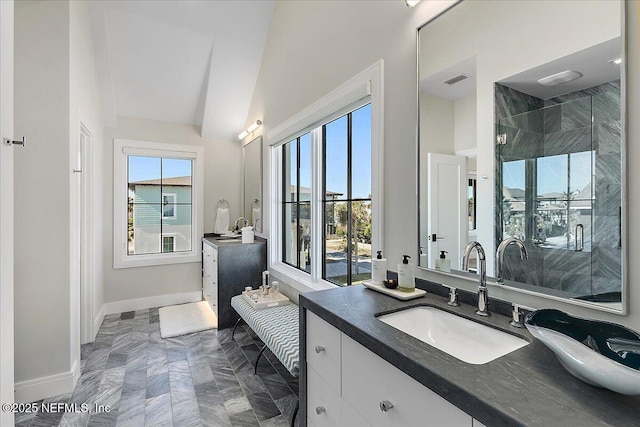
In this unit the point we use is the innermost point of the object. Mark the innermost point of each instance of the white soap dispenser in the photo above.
(406, 282)
(442, 263)
(378, 269)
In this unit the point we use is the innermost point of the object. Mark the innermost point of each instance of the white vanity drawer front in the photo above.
(323, 403)
(350, 417)
(323, 350)
(369, 382)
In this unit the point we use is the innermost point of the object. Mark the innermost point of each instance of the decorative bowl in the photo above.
(599, 353)
(390, 283)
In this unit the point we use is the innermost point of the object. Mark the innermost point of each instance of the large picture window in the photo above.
(346, 154)
(326, 182)
(157, 198)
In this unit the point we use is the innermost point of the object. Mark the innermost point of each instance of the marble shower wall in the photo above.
(538, 128)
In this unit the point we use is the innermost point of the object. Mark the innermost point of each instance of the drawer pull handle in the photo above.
(385, 405)
(319, 349)
(320, 410)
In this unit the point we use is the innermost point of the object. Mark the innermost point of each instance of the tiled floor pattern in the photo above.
(200, 379)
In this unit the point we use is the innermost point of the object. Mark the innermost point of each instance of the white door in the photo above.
(447, 193)
(6, 210)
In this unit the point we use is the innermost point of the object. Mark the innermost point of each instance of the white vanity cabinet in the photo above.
(348, 385)
(227, 268)
(210, 276)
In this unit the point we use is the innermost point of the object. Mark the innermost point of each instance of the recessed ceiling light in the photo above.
(560, 78)
(616, 61)
(412, 3)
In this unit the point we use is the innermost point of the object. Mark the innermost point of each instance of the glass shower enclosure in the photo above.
(558, 169)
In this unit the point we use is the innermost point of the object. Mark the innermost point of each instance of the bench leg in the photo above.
(235, 326)
(295, 413)
(255, 371)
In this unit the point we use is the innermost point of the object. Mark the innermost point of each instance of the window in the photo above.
(327, 179)
(157, 203)
(169, 204)
(346, 171)
(168, 243)
(296, 205)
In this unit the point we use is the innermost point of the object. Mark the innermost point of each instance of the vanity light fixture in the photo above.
(252, 127)
(560, 78)
(616, 61)
(411, 3)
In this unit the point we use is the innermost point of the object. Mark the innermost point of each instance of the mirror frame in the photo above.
(245, 208)
(472, 277)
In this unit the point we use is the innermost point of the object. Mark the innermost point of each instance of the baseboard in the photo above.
(149, 302)
(97, 322)
(44, 387)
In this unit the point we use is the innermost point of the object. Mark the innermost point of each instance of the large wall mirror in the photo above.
(252, 182)
(521, 134)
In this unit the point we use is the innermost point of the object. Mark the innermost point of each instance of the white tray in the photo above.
(264, 301)
(396, 293)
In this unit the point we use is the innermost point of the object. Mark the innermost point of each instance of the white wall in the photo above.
(342, 38)
(465, 111)
(222, 179)
(42, 200)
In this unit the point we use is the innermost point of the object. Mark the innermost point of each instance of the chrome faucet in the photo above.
(242, 221)
(500, 255)
(483, 294)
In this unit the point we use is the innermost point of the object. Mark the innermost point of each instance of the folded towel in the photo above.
(255, 215)
(222, 221)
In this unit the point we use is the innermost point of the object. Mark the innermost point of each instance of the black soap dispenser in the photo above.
(406, 279)
(378, 269)
(442, 263)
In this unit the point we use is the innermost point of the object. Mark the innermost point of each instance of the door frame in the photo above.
(87, 238)
(6, 213)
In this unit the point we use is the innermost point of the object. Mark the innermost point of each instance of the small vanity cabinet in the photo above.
(227, 267)
(348, 385)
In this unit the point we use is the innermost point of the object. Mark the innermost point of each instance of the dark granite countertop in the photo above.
(526, 387)
(226, 241)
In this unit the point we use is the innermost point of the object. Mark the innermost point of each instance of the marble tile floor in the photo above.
(200, 379)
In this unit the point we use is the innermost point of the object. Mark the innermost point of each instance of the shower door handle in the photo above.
(578, 238)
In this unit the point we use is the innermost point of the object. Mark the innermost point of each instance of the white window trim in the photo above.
(121, 149)
(175, 205)
(367, 85)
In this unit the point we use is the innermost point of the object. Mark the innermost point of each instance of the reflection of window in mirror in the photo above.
(471, 196)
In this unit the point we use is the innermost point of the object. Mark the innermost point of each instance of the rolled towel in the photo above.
(222, 221)
(255, 215)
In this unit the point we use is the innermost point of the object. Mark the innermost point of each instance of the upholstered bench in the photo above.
(277, 327)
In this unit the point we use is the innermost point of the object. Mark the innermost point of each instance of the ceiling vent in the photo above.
(456, 79)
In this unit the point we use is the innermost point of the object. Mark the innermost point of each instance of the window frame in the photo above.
(122, 148)
(365, 88)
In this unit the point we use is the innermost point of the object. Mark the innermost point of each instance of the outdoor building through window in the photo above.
(160, 195)
(157, 203)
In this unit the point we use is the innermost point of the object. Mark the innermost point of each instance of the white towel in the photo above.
(222, 221)
(255, 215)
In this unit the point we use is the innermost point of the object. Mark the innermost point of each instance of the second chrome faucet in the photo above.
(483, 293)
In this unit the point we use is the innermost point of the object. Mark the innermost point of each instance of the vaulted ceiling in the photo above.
(190, 62)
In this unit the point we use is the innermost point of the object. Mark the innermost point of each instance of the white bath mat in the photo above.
(184, 319)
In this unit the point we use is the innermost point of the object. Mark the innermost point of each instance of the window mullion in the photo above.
(317, 208)
(349, 210)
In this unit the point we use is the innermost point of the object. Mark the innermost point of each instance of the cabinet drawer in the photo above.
(350, 417)
(323, 350)
(323, 403)
(368, 380)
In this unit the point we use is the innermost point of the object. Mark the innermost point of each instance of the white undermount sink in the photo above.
(464, 339)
